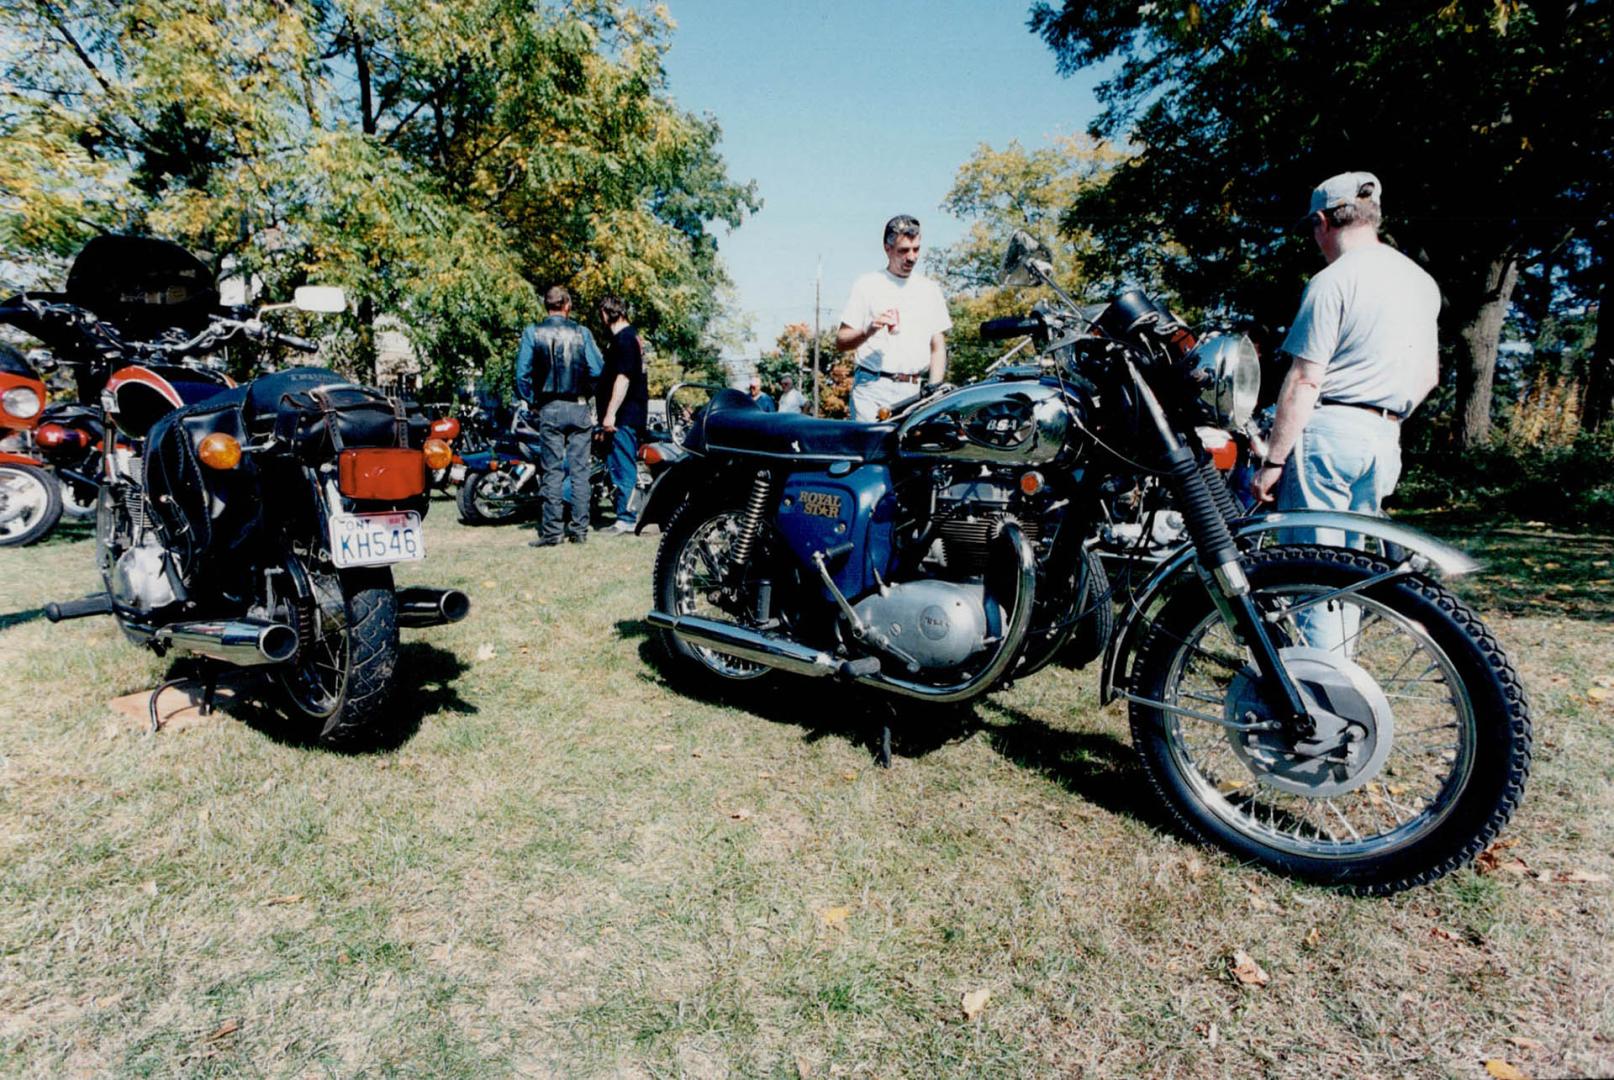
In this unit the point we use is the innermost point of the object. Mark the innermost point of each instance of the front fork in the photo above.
(1222, 568)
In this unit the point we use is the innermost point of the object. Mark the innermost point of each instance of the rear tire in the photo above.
(689, 562)
(339, 684)
(30, 504)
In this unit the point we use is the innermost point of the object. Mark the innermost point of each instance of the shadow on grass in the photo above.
(67, 531)
(17, 618)
(1530, 569)
(1097, 767)
(422, 686)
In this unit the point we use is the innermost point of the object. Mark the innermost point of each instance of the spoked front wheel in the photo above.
(1423, 736)
(30, 504)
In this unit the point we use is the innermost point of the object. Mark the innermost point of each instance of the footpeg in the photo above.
(861, 668)
(95, 604)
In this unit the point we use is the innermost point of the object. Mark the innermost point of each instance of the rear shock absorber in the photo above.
(755, 506)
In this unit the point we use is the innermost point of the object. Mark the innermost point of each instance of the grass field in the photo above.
(566, 868)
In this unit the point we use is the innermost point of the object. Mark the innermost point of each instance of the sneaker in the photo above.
(618, 527)
(541, 542)
(577, 539)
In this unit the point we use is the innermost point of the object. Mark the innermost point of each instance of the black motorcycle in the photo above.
(252, 526)
(1330, 712)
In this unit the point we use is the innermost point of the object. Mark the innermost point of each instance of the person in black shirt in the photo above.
(624, 407)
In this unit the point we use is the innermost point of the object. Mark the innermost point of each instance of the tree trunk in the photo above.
(1598, 409)
(1478, 333)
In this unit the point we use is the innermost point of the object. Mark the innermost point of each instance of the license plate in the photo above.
(376, 539)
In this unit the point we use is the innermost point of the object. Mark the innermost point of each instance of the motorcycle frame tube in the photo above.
(8, 458)
(1445, 559)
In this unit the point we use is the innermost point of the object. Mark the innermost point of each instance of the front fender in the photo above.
(8, 458)
(1445, 559)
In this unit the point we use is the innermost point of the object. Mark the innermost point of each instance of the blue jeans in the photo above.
(564, 428)
(1346, 459)
(622, 462)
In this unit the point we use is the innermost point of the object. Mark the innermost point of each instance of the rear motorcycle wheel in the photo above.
(30, 504)
(1436, 743)
(339, 682)
(695, 575)
(490, 498)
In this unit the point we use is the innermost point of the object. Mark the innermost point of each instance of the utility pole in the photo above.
(818, 289)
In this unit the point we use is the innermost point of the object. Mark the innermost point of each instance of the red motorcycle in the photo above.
(30, 497)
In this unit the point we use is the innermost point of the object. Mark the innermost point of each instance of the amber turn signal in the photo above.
(219, 451)
(1031, 482)
(649, 454)
(439, 455)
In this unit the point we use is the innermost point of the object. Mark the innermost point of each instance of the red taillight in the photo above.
(383, 474)
(1225, 456)
(651, 454)
(446, 428)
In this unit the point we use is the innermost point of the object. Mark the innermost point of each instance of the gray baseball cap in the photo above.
(1345, 188)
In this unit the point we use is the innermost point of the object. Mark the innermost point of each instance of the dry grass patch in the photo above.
(567, 868)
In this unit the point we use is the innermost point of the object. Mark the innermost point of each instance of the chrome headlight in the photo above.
(1227, 368)
(20, 402)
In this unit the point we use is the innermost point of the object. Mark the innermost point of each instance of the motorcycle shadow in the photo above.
(423, 687)
(1095, 766)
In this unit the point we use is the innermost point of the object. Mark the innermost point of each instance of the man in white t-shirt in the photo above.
(1363, 354)
(896, 320)
(790, 399)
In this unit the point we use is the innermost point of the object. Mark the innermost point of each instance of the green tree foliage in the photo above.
(442, 161)
(792, 354)
(1488, 121)
(998, 192)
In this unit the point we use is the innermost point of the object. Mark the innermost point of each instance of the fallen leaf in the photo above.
(343, 958)
(1599, 693)
(204, 814)
(1580, 877)
(1247, 971)
(225, 1030)
(740, 814)
(697, 753)
(149, 888)
(267, 786)
(108, 1000)
(1443, 934)
(1314, 938)
(1525, 1043)
(764, 775)
(849, 775)
(974, 1002)
(490, 584)
(289, 898)
(804, 1068)
(1504, 1071)
(662, 747)
(1213, 1036)
(486, 652)
(835, 917)
(1604, 680)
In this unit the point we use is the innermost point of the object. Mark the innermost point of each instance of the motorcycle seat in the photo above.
(733, 424)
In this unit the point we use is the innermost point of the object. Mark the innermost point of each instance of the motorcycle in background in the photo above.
(1330, 713)
(30, 497)
(251, 526)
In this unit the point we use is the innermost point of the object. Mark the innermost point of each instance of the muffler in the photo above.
(420, 606)
(737, 641)
(242, 642)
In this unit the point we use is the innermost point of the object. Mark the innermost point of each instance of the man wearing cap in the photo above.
(896, 320)
(759, 396)
(1364, 354)
(790, 399)
(555, 373)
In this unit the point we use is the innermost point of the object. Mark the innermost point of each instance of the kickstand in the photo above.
(210, 686)
(882, 748)
(156, 723)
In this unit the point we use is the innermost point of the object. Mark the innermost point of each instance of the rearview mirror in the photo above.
(1027, 262)
(325, 298)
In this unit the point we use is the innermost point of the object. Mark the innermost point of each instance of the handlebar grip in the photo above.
(298, 343)
(1011, 327)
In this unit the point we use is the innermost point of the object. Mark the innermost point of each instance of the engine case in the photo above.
(940, 624)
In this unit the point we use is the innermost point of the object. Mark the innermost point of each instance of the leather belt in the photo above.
(546, 399)
(1379, 410)
(916, 377)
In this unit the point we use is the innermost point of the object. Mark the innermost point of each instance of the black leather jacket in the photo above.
(558, 359)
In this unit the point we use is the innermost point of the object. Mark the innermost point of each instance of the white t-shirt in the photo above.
(922, 311)
(792, 401)
(1369, 317)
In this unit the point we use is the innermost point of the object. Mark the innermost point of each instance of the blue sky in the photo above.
(847, 113)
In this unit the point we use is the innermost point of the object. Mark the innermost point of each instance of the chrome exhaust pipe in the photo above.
(737, 641)
(242, 642)
(420, 606)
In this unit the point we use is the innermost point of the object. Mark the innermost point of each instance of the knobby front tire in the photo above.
(1456, 741)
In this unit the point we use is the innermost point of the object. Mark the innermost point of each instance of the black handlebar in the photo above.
(1011, 327)
(298, 343)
